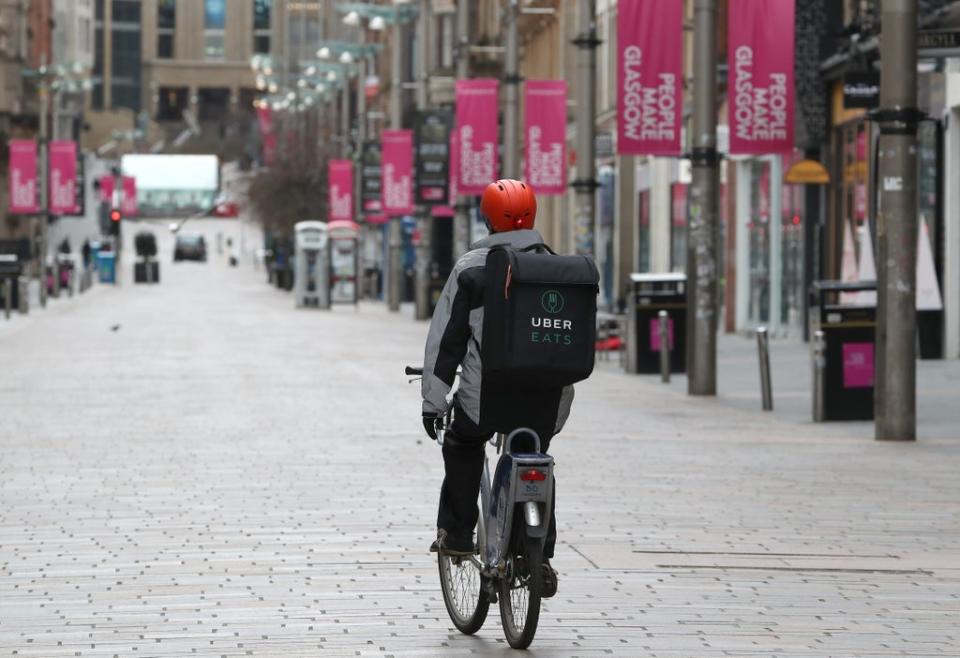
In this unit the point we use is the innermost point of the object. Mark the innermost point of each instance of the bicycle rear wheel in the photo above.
(464, 592)
(520, 593)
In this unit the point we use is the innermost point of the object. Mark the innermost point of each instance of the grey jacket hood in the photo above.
(522, 239)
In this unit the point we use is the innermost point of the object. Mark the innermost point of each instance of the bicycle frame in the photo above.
(499, 498)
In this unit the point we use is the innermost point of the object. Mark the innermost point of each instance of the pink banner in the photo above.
(23, 177)
(267, 137)
(340, 175)
(649, 76)
(106, 188)
(397, 172)
(760, 61)
(545, 167)
(63, 177)
(477, 111)
(128, 200)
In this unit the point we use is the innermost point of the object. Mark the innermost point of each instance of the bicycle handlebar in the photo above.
(410, 370)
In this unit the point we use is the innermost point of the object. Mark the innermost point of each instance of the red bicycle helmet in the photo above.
(508, 205)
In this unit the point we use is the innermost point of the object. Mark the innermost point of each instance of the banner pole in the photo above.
(703, 206)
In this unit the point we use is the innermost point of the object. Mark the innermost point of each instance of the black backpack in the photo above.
(539, 322)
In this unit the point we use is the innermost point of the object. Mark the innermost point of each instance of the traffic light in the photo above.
(115, 218)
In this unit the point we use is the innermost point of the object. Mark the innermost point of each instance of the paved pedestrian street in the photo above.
(199, 468)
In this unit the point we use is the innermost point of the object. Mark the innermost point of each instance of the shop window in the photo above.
(678, 227)
(759, 232)
(214, 103)
(171, 103)
(643, 234)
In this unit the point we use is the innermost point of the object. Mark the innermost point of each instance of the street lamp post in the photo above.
(461, 221)
(897, 227)
(585, 184)
(511, 82)
(704, 202)
(424, 218)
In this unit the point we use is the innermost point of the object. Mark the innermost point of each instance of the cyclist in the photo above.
(509, 208)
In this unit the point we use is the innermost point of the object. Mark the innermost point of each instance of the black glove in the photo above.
(430, 424)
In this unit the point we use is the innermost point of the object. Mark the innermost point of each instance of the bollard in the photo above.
(24, 295)
(149, 267)
(819, 370)
(56, 279)
(763, 347)
(7, 297)
(664, 346)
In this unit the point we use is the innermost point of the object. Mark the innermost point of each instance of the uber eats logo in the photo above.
(561, 330)
(552, 301)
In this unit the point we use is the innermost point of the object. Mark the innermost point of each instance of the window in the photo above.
(126, 11)
(165, 46)
(214, 22)
(262, 10)
(167, 14)
(166, 24)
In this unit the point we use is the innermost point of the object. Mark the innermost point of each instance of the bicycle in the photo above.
(507, 565)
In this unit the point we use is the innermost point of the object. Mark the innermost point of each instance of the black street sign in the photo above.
(861, 90)
(938, 40)
(432, 138)
(371, 178)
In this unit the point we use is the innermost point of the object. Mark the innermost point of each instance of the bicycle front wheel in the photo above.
(464, 593)
(520, 594)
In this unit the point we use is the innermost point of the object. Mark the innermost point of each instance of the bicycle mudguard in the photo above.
(509, 489)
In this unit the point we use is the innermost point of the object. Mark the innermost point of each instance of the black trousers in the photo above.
(463, 452)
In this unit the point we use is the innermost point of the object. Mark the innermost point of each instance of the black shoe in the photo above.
(549, 580)
(447, 545)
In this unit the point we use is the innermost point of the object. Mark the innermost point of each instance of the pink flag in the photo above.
(397, 172)
(546, 127)
(340, 175)
(106, 188)
(128, 200)
(23, 177)
(649, 76)
(63, 177)
(477, 111)
(760, 64)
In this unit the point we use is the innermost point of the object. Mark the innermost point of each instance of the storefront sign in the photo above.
(63, 177)
(938, 40)
(477, 111)
(397, 172)
(649, 77)
(432, 135)
(760, 61)
(546, 126)
(340, 184)
(128, 200)
(23, 177)
(371, 178)
(861, 90)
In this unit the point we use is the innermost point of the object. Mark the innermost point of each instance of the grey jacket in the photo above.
(456, 330)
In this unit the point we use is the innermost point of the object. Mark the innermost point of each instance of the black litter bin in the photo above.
(145, 244)
(844, 354)
(10, 270)
(649, 294)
